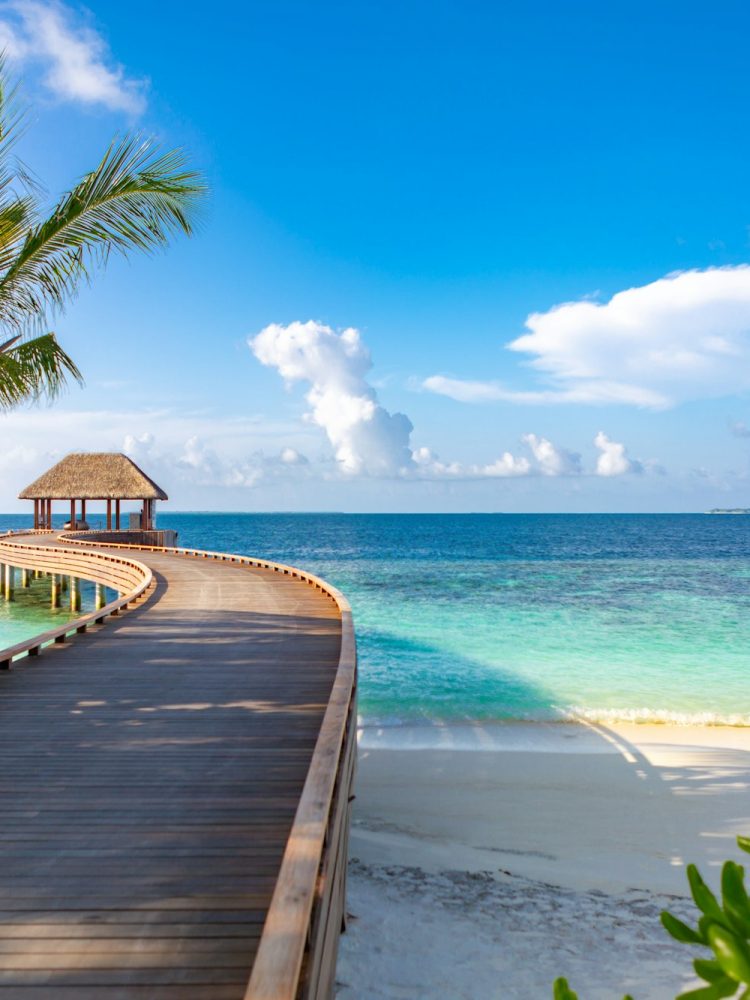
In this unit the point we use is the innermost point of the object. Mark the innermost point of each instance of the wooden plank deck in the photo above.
(151, 774)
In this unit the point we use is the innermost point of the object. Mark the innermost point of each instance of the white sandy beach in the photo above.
(486, 860)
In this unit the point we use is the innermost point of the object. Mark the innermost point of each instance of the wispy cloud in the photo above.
(199, 463)
(685, 336)
(467, 391)
(193, 449)
(74, 58)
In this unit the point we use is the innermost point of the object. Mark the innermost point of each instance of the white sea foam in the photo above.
(558, 734)
(651, 715)
(576, 713)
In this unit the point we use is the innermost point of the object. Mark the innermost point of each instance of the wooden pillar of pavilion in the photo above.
(92, 476)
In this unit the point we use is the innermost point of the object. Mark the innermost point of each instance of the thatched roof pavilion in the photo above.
(84, 476)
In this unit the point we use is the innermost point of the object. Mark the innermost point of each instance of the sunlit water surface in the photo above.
(492, 617)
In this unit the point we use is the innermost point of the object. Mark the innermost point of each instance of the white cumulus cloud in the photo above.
(613, 458)
(369, 440)
(685, 336)
(366, 438)
(429, 466)
(76, 62)
(551, 460)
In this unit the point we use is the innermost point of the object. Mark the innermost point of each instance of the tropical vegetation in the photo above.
(722, 931)
(135, 200)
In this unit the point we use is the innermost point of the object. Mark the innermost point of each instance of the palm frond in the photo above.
(16, 217)
(33, 368)
(12, 125)
(136, 199)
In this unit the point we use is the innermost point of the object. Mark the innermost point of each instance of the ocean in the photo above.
(489, 617)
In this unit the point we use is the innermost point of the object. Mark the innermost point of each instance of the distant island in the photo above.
(729, 510)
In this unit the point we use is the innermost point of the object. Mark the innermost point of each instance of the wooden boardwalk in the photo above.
(151, 774)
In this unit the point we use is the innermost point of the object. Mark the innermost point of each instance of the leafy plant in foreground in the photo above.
(723, 928)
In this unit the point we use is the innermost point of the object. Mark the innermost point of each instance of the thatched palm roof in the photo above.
(94, 476)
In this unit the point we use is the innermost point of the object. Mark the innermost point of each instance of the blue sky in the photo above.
(429, 175)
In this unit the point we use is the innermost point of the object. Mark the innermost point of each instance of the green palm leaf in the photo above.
(135, 200)
(33, 368)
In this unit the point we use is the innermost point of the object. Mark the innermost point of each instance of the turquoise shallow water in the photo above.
(30, 613)
(490, 617)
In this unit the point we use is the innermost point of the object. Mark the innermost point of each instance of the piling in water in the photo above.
(9, 582)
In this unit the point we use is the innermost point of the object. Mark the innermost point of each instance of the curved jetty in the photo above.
(176, 782)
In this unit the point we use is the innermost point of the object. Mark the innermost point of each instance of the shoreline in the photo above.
(558, 734)
(564, 791)
(585, 828)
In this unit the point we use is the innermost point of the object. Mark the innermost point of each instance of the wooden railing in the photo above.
(131, 579)
(296, 957)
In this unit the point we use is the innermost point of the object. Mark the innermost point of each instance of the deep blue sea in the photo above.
(490, 617)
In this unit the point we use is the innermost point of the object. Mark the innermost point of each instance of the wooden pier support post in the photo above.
(55, 591)
(75, 594)
(25, 579)
(9, 582)
(99, 599)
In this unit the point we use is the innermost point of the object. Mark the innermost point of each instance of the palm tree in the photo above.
(33, 368)
(136, 199)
